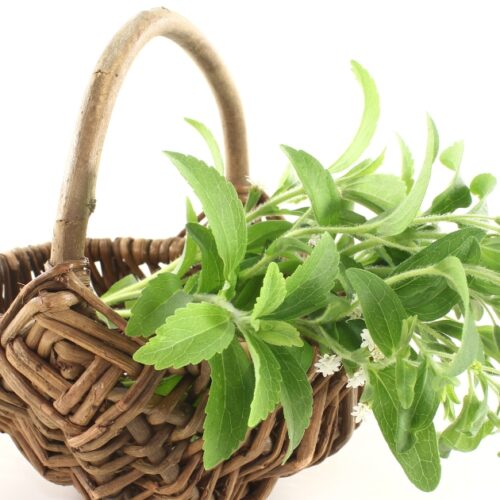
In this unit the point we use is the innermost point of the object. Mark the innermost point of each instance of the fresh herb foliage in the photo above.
(395, 296)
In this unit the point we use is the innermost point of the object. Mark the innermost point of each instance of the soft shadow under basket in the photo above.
(61, 399)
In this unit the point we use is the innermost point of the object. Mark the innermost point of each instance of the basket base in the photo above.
(63, 403)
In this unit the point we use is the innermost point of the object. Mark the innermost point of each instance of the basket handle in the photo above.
(77, 199)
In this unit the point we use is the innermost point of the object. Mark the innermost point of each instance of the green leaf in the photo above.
(318, 185)
(212, 268)
(222, 207)
(188, 257)
(470, 427)
(164, 388)
(426, 396)
(378, 192)
(406, 377)
(228, 407)
(490, 253)
(263, 233)
(470, 349)
(452, 269)
(420, 460)
(128, 280)
(253, 197)
(400, 217)
(453, 197)
(303, 355)
(368, 124)
(272, 293)
(279, 333)
(483, 184)
(167, 385)
(457, 243)
(429, 296)
(366, 167)
(407, 164)
(296, 397)
(211, 143)
(267, 379)
(382, 309)
(490, 337)
(159, 299)
(194, 333)
(308, 288)
(451, 157)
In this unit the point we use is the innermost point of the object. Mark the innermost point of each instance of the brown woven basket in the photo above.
(60, 396)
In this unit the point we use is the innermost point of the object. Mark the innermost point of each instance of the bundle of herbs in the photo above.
(404, 298)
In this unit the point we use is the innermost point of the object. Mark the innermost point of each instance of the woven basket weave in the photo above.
(60, 396)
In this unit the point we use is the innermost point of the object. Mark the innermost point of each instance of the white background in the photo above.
(291, 62)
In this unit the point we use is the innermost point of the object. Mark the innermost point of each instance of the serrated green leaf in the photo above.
(400, 217)
(318, 185)
(378, 192)
(159, 299)
(272, 294)
(194, 333)
(308, 288)
(420, 460)
(483, 184)
(382, 309)
(279, 333)
(267, 379)
(211, 142)
(222, 207)
(228, 407)
(212, 268)
(368, 123)
(296, 397)
(407, 164)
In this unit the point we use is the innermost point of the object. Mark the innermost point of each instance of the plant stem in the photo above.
(281, 198)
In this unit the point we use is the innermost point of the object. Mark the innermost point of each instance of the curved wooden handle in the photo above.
(77, 200)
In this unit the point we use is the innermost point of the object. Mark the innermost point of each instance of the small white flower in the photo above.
(359, 412)
(328, 364)
(357, 380)
(367, 342)
(313, 241)
(258, 182)
(356, 313)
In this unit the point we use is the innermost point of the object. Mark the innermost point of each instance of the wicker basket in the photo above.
(60, 396)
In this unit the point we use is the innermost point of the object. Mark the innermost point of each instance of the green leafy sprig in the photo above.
(408, 306)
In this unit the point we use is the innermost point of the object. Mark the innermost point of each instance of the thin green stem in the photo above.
(257, 267)
(261, 210)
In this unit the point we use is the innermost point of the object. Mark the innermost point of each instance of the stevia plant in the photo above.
(348, 260)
